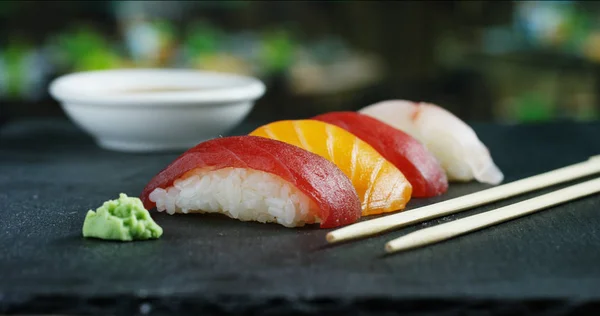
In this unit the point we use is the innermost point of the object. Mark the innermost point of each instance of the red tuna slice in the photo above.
(410, 156)
(315, 176)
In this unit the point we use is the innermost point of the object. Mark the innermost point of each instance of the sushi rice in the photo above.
(243, 194)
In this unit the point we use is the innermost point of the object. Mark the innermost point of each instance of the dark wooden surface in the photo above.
(51, 174)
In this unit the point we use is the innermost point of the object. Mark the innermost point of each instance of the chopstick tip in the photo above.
(389, 248)
(330, 237)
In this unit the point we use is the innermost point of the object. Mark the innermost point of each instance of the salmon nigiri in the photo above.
(454, 143)
(255, 179)
(420, 167)
(381, 187)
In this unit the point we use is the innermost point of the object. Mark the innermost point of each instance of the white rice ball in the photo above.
(243, 194)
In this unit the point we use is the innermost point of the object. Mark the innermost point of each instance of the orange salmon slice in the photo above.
(381, 187)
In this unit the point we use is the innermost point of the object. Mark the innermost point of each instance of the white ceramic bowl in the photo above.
(144, 110)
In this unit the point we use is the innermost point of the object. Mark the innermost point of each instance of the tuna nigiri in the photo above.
(454, 143)
(417, 164)
(255, 179)
(381, 187)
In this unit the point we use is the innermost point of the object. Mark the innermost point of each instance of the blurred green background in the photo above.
(506, 61)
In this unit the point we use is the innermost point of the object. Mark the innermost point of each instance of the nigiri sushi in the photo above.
(255, 179)
(454, 143)
(418, 165)
(381, 187)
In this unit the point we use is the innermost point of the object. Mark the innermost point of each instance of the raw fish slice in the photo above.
(454, 143)
(234, 162)
(418, 165)
(381, 187)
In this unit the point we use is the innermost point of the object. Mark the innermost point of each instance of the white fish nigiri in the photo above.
(454, 143)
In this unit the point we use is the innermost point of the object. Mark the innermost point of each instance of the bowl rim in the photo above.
(241, 88)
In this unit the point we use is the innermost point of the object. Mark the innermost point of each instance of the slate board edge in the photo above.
(272, 305)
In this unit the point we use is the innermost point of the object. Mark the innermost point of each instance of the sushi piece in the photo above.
(381, 187)
(454, 143)
(255, 179)
(418, 165)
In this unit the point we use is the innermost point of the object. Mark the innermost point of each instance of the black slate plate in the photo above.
(51, 174)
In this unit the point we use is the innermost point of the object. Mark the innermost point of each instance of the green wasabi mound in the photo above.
(123, 219)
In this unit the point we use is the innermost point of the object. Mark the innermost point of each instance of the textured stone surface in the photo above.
(51, 174)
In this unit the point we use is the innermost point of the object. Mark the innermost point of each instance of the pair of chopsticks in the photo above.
(476, 222)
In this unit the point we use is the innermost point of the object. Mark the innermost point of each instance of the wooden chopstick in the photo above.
(385, 223)
(465, 225)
